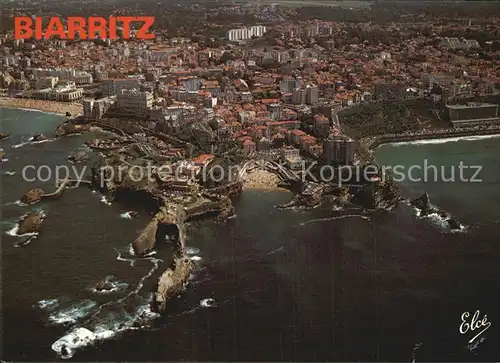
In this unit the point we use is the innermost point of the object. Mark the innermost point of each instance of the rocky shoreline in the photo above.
(59, 108)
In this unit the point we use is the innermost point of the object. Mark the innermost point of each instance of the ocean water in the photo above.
(270, 284)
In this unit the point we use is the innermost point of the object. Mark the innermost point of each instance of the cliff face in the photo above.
(147, 239)
(383, 195)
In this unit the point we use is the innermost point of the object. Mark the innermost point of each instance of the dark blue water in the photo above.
(288, 285)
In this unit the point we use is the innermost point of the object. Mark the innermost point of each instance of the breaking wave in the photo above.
(105, 200)
(49, 304)
(440, 220)
(445, 140)
(335, 218)
(110, 319)
(131, 261)
(208, 303)
(73, 313)
(126, 215)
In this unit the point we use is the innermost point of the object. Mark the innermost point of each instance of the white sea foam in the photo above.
(48, 304)
(105, 201)
(126, 215)
(131, 250)
(335, 218)
(445, 140)
(208, 303)
(119, 257)
(18, 203)
(150, 253)
(113, 324)
(195, 258)
(4, 160)
(65, 346)
(24, 242)
(41, 141)
(191, 251)
(106, 323)
(15, 230)
(73, 313)
(10, 173)
(439, 220)
(21, 144)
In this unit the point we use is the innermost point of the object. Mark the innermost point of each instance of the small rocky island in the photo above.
(425, 209)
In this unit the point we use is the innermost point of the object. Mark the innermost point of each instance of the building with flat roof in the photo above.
(472, 114)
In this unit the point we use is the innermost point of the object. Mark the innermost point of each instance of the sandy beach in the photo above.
(46, 106)
(262, 180)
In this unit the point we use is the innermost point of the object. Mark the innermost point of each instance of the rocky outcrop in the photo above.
(105, 285)
(378, 195)
(342, 196)
(454, 224)
(147, 239)
(172, 215)
(38, 137)
(31, 223)
(32, 196)
(3, 135)
(173, 282)
(69, 128)
(310, 196)
(423, 204)
(425, 207)
(79, 157)
(229, 189)
(2, 154)
(35, 195)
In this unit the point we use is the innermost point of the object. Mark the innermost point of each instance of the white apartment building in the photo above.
(61, 73)
(113, 86)
(246, 33)
(134, 100)
(46, 82)
(64, 74)
(63, 94)
(95, 109)
(83, 78)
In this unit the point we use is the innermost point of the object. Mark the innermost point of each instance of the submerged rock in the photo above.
(31, 223)
(69, 128)
(104, 285)
(423, 203)
(38, 137)
(79, 157)
(32, 196)
(454, 224)
(3, 135)
(133, 214)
